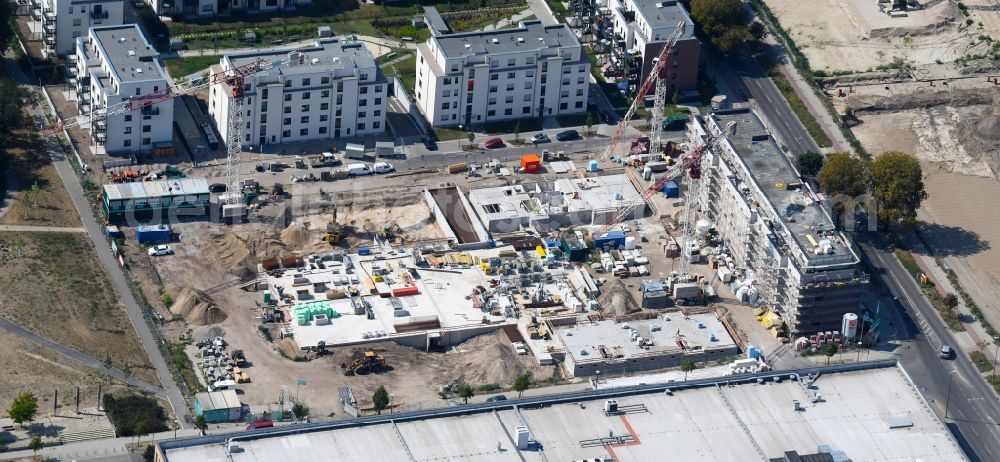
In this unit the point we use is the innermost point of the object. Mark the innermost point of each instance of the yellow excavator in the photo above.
(369, 362)
(334, 231)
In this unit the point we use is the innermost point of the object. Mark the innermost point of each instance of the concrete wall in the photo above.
(668, 359)
(449, 336)
(439, 217)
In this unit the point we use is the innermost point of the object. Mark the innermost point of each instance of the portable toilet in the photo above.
(670, 189)
(592, 166)
(530, 163)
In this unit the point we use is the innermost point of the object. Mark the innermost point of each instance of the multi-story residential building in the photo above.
(190, 8)
(640, 29)
(61, 22)
(116, 64)
(477, 77)
(331, 90)
(776, 227)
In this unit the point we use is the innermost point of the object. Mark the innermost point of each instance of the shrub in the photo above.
(129, 412)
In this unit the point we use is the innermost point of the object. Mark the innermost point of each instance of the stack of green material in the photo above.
(305, 312)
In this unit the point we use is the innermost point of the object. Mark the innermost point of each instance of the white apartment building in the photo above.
(642, 26)
(478, 77)
(60, 22)
(331, 90)
(116, 64)
(190, 8)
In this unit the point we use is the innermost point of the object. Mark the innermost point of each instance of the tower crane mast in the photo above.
(655, 75)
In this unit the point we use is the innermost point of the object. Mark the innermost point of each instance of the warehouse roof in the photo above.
(532, 35)
(151, 189)
(214, 400)
(729, 418)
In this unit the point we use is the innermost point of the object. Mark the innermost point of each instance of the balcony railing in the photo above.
(150, 111)
(99, 15)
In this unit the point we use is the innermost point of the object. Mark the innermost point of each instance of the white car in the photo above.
(160, 250)
(540, 138)
(383, 167)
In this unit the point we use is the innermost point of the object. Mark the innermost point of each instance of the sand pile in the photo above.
(240, 252)
(197, 307)
(491, 359)
(616, 300)
(296, 235)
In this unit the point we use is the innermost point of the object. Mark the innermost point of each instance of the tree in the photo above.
(723, 23)
(380, 399)
(521, 383)
(898, 188)
(108, 364)
(517, 131)
(844, 174)
(687, 365)
(951, 301)
(809, 164)
(200, 424)
(36, 444)
(829, 349)
(6, 28)
(148, 454)
(300, 410)
(19, 243)
(139, 429)
(589, 122)
(12, 103)
(24, 408)
(465, 392)
(471, 136)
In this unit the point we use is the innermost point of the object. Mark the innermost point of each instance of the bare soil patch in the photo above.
(53, 285)
(52, 205)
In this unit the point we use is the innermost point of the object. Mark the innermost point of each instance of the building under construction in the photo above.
(776, 227)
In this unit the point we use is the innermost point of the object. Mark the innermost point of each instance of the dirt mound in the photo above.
(197, 307)
(864, 78)
(922, 100)
(296, 235)
(981, 135)
(616, 299)
(490, 359)
(240, 252)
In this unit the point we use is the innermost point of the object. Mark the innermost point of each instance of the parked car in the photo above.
(358, 170)
(160, 250)
(383, 167)
(497, 398)
(493, 143)
(568, 135)
(540, 138)
(217, 188)
(430, 144)
(946, 352)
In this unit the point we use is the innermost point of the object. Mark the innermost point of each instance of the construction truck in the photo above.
(369, 362)
(239, 358)
(389, 231)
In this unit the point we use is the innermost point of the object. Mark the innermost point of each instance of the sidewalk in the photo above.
(809, 98)
(974, 334)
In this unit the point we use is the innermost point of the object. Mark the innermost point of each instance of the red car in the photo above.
(493, 143)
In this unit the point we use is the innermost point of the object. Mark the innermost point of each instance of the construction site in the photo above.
(297, 276)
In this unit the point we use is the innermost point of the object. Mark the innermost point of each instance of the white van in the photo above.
(223, 385)
(358, 170)
(383, 167)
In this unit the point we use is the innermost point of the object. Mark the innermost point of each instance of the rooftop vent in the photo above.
(138, 70)
(131, 52)
(315, 61)
(121, 40)
(520, 40)
(467, 46)
(495, 41)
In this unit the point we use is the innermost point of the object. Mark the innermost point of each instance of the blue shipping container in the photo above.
(670, 189)
(613, 239)
(152, 233)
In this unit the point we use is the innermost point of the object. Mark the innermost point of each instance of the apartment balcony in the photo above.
(101, 126)
(150, 111)
(36, 14)
(48, 17)
(98, 15)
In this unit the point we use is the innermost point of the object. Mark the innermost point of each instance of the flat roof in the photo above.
(730, 418)
(531, 35)
(212, 400)
(696, 331)
(800, 210)
(660, 13)
(329, 54)
(129, 54)
(440, 297)
(606, 192)
(152, 189)
(435, 22)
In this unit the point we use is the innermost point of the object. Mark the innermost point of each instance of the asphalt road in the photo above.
(72, 184)
(744, 75)
(973, 411)
(75, 355)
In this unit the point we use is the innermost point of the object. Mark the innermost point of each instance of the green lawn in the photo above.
(798, 107)
(981, 361)
(182, 67)
(447, 134)
(509, 126)
(406, 70)
(576, 120)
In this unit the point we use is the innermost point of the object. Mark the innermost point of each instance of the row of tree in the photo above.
(893, 182)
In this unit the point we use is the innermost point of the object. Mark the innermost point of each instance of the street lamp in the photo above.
(859, 352)
(951, 380)
(996, 349)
